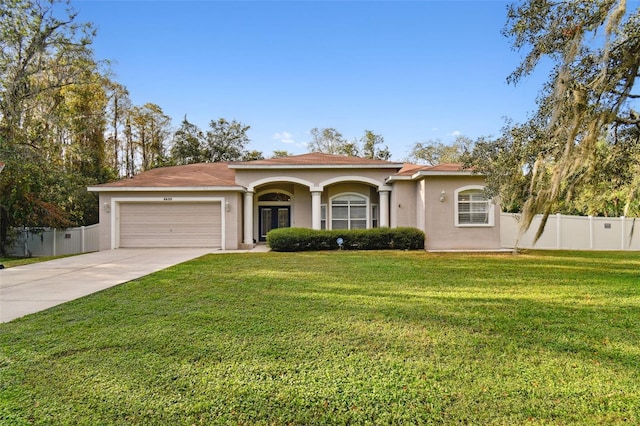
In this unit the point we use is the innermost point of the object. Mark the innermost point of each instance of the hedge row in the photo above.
(303, 239)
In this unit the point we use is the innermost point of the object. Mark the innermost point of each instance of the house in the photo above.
(231, 206)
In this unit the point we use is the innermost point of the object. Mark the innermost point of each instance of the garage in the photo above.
(170, 224)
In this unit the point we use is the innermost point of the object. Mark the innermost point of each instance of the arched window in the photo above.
(349, 211)
(274, 196)
(473, 208)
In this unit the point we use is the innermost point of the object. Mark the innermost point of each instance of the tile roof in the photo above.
(191, 175)
(411, 169)
(224, 174)
(316, 159)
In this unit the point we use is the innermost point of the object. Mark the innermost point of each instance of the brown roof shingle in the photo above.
(410, 169)
(316, 159)
(223, 174)
(191, 175)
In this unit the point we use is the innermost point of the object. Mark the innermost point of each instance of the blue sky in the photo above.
(411, 71)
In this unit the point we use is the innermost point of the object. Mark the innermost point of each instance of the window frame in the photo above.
(474, 189)
(323, 216)
(366, 205)
(375, 215)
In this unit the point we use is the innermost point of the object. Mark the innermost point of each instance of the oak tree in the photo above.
(226, 141)
(590, 98)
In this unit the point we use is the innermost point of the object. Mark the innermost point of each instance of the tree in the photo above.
(595, 49)
(38, 52)
(507, 162)
(252, 155)
(80, 133)
(150, 131)
(371, 146)
(281, 154)
(330, 141)
(81, 125)
(41, 55)
(611, 187)
(188, 144)
(435, 152)
(226, 141)
(118, 107)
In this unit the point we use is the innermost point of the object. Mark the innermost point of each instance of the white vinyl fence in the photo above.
(54, 242)
(573, 233)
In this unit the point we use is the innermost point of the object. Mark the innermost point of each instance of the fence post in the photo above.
(558, 231)
(53, 238)
(590, 232)
(82, 239)
(622, 226)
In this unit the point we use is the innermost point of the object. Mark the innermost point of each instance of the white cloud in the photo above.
(284, 137)
(455, 133)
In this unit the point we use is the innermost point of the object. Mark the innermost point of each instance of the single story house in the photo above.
(232, 206)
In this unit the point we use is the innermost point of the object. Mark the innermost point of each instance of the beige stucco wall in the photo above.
(301, 208)
(353, 188)
(232, 218)
(403, 203)
(315, 177)
(440, 228)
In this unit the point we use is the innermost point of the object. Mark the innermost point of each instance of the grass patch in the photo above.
(339, 338)
(10, 262)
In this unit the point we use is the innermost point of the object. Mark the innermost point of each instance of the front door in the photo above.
(273, 218)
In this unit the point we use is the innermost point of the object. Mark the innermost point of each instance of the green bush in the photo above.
(303, 239)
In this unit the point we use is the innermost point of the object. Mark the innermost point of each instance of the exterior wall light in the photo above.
(107, 207)
(442, 196)
(227, 207)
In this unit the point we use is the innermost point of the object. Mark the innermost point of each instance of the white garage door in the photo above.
(173, 224)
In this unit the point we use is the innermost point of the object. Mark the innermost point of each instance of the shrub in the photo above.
(303, 239)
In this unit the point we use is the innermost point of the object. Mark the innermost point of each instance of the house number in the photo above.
(168, 198)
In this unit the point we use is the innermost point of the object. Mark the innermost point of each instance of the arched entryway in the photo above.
(274, 211)
(284, 201)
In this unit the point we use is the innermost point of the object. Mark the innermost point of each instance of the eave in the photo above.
(392, 166)
(431, 173)
(165, 189)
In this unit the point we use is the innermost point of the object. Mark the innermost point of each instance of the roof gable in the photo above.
(414, 171)
(409, 169)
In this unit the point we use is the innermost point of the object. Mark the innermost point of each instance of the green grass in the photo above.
(339, 338)
(10, 262)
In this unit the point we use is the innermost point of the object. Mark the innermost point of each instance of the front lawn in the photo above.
(339, 338)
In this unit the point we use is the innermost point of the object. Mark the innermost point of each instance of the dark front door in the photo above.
(273, 218)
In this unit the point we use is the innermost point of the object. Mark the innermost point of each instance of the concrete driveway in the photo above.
(32, 288)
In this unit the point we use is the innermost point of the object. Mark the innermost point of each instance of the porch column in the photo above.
(384, 208)
(316, 211)
(248, 218)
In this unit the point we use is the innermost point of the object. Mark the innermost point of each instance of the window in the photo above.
(473, 208)
(349, 211)
(374, 215)
(323, 216)
(274, 196)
